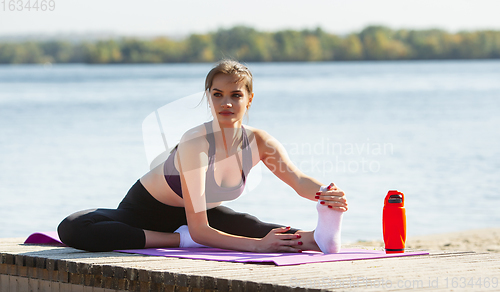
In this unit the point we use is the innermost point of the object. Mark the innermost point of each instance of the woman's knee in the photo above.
(75, 228)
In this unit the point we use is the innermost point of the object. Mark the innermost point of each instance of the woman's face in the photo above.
(229, 100)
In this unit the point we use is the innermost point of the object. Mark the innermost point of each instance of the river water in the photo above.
(71, 138)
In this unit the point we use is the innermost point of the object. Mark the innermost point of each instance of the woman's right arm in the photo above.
(193, 162)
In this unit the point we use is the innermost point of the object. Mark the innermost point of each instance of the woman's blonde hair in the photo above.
(233, 68)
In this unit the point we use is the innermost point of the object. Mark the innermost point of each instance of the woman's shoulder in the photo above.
(253, 132)
(252, 129)
(195, 137)
(261, 137)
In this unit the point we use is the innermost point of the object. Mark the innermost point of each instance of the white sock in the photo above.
(327, 232)
(186, 240)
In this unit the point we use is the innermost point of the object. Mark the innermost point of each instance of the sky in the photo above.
(178, 18)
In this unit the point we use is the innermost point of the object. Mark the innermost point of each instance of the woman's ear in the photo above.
(250, 101)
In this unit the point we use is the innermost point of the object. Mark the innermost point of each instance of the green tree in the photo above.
(165, 50)
(350, 48)
(104, 52)
(379, 44)
(330, 44)
(490, 41)
(427, 44)
(58, 51)
(239, 42)
(199, 48)
(22, 53)
(288, 46)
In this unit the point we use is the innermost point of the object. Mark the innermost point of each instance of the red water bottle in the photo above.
(394, 222)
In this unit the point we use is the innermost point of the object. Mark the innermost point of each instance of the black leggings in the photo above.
(122, 228)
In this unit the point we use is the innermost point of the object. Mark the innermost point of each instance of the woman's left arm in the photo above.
(274, 156)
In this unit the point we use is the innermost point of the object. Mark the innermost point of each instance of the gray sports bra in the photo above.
(213, 192)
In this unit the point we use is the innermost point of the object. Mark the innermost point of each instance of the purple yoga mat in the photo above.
(50, 237)
(215, 254)
(279, 259)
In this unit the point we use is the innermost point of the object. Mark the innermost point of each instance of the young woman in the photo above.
(210, 165)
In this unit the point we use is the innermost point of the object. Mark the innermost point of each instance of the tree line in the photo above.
(249, 45)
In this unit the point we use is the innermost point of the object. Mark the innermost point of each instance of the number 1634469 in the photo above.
(28, 5)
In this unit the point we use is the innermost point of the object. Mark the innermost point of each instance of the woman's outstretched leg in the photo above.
(325, 238)
(227, 220)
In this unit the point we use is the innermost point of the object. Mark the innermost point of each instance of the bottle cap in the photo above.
(394, 197)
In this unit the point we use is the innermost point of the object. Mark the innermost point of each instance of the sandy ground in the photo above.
(478, 240)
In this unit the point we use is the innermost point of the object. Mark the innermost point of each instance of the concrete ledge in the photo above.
(48, 268)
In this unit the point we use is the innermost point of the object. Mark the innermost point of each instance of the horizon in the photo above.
(153, 19)
(102, 35)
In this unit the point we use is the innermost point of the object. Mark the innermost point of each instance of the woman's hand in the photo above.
(333, 197)
(277, 241)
